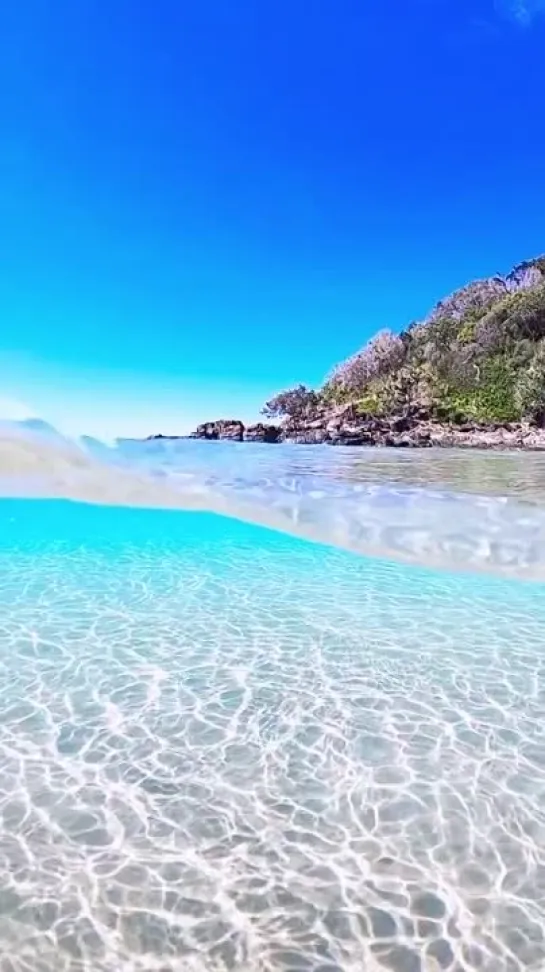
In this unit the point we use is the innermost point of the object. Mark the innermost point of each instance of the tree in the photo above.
(383, 354)
(294, 403)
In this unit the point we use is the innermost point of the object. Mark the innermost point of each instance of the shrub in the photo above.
(480, 354)
(518, 316)
(294, 403)
(333, 394)
(492, 400)
(490, 332)
(383, 354)
(530, 386)
(466, 334)
(526, 317)
(539, 264)
(469, 302)
(495, 399)
(370, 405)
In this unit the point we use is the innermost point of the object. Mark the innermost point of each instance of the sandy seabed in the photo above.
(226, 750)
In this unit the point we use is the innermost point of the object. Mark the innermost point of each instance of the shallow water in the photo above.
(223, 747)
(448, 509)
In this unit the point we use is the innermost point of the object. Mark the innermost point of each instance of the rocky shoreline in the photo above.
(344, 426)
(470, 375)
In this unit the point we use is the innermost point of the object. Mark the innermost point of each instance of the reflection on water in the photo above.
(520, 475)
(450, 508)
(515, 474)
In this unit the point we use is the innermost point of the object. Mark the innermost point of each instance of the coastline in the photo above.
(470, 375)
(401, 431)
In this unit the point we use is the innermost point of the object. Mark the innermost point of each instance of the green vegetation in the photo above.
(491, 399)
(479, 356)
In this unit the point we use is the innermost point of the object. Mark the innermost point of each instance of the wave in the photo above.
(478, 511)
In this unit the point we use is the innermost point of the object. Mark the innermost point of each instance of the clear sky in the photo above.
(204, 202)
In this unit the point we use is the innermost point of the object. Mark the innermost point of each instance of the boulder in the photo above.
(412, 428)
(303, 435)
(262, 433)
(231, 429)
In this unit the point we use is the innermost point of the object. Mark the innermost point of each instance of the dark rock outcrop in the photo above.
(262, 433)
(412, 428)
(231, 429)
(166, 438)
(235, 431)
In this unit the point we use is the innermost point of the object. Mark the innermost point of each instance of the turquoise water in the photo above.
(450, 509)
(446, 507)
(226, 748)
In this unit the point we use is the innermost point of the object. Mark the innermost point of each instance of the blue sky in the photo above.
(203, 203)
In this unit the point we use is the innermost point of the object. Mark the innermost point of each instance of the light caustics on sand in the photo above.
(224, 749)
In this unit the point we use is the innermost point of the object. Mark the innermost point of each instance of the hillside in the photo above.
(476, 364)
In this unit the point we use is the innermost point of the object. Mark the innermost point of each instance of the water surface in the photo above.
(447, 509)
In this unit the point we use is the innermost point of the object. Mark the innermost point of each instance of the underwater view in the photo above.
(272, 486)
(225, 747)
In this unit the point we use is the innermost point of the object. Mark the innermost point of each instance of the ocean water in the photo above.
(224, 747)
(449, 509)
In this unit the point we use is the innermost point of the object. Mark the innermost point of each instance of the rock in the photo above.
(262, 433)
(401, 424)
(231, 429)
(306, 436)
(344, 427)
(166, 438)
